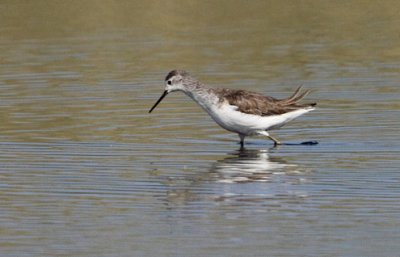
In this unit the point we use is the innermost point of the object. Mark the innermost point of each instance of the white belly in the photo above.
(248, 124)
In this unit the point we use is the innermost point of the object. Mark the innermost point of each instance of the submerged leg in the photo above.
(241, 136)
(276, 141)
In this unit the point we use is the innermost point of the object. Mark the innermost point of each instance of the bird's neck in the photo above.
(203, 95)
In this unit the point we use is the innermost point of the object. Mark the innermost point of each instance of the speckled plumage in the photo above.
(258, 104)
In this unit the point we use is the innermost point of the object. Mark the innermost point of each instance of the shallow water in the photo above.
(86, 171)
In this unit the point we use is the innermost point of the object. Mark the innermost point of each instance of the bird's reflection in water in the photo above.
(250, 166)
(248, 175)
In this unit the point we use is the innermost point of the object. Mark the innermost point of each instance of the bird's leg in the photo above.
(265, 133)
(241, 136)
(276, 141)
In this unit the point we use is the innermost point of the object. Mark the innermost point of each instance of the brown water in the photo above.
(86, 171)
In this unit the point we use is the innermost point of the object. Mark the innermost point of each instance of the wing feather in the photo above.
(258, 104)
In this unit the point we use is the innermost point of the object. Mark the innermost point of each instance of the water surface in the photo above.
(86, 171)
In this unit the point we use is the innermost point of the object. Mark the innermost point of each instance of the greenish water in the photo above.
(86, 171)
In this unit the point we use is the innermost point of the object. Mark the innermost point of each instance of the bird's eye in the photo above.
(169, 82)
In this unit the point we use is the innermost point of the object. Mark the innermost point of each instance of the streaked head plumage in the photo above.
(174, 73)
(175, 79)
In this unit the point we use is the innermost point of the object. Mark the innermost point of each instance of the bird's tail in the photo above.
(297, 96)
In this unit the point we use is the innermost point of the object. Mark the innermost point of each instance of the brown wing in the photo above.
(255, 103)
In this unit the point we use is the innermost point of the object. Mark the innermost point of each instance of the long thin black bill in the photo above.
(159, 100)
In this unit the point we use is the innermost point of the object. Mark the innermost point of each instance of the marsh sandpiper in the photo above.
(243, 112)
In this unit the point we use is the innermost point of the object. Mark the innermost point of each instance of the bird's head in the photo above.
(174, 81)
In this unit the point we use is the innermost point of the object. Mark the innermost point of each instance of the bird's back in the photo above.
(255, 103)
